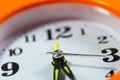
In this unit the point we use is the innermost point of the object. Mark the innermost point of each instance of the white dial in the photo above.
(26, 56)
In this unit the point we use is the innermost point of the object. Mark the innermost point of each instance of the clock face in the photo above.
(96, 45)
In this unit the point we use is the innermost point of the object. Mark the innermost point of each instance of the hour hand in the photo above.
(56, 71)
(67, 70)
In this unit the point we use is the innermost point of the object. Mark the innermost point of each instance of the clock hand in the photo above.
(66, 69)
(72, 54)
(60, 62)
(56, 63)
(56, 71)
(92, 55)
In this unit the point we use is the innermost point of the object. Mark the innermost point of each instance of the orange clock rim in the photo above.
(8, 8)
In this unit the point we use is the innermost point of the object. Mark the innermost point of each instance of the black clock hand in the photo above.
(60, 62)
(56, 71)
(72, 54)
(66, 69)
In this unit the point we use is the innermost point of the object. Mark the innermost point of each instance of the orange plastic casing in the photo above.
(116, 76)
(9, 8)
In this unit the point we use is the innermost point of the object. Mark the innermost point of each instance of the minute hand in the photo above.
(73, 54)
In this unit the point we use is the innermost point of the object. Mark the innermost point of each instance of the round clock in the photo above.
(59, 40)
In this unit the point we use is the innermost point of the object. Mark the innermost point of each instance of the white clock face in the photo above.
(26, 57)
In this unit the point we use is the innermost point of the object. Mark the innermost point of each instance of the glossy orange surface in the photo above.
(11, 7)
(116, 76)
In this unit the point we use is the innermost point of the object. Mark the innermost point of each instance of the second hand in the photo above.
(72, 54)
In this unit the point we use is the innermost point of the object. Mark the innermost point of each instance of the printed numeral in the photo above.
(15, 52)
(82, 31)
(102, 40)
(110, 74)
(30, 38)
(63, 32)
(9, 67)
(110, 52)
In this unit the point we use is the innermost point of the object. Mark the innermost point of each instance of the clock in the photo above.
(59, 40)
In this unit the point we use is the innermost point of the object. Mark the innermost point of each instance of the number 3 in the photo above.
(113, 54)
